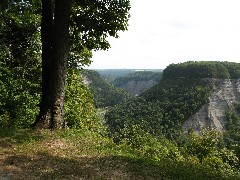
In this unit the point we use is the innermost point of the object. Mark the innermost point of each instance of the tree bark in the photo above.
(55, 50)
(44, 117)
(61, 48)
(3, 5)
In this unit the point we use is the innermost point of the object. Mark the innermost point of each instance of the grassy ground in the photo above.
(71, 154)
(27, 154)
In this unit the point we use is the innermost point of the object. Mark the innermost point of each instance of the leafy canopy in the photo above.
(92, 22)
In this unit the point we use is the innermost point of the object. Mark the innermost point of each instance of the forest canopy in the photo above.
(203, 69)
(164, 108)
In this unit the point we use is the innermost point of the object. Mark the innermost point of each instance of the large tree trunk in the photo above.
(55, 50)
(61, 47)
(44, 117)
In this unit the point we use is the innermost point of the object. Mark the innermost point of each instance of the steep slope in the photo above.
(105, 94)
(191, 95)
(138, 82)
(137, 87)
(212, 115)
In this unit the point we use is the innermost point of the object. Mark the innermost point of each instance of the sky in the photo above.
(162, 32)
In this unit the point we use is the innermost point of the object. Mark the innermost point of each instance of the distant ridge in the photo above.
(111, 74)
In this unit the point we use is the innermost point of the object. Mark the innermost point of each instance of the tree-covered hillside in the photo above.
(153, 122)
(232, 135)
(138, 76)
(203, 69)
(105, 94)
(164, 108)
(111, 74)
(138, 81)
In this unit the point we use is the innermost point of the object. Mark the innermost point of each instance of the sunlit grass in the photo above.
(73, 154)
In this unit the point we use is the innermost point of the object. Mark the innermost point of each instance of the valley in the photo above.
(179, 123)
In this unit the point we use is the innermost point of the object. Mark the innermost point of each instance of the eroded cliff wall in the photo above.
(212, 115)
(137, 87)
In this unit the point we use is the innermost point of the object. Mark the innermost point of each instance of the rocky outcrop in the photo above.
(225, 93)
(137, 87)
(86, 80)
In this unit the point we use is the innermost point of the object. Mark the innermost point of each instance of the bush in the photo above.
(155, 148)
(205, 149)
(79, 105)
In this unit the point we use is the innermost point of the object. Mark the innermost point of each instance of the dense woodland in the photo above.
(143, 131)
(207, 69)
(173, 100)
(162, 110)
(105, 94)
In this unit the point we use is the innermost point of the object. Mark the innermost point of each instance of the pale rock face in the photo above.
(86, 80)
(137, 87)
(225, 93)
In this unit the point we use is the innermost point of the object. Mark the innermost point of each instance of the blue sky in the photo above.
(162, 32)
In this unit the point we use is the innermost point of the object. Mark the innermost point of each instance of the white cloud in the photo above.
(171, 31)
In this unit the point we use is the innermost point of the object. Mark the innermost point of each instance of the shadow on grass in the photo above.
(47, 166)
(10, 136)
(43, 164)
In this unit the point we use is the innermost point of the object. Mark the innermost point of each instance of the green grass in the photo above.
(72, 154)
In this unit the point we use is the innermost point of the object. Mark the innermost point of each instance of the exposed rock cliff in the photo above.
(137, 87)
(212, 115)
(86, 80)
